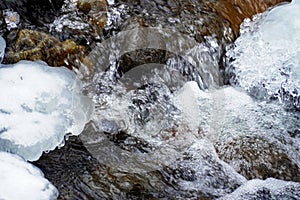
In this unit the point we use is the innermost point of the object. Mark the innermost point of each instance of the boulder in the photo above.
(260, 157)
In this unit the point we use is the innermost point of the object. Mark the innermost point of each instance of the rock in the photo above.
(195, 18)
(191, 18)
(2, 24)
(260, 157)
(268, 189)
(236, 11)
(200, 174)
(72, 166)
(34, 13)
(35, 45)
(82, 21)
(96, 11)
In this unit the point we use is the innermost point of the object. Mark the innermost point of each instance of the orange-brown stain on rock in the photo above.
(35, 45)
(235, 11)
(96, 10)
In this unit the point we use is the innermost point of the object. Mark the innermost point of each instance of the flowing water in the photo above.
(170, 122)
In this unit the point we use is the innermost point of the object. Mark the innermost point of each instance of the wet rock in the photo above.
(12, 19)
(96, 11)
(199, 21)
(82, 21)
(77, 175)
(2, 24)
(34, 13)
(70, 169)
(195, 18)
(35, 45)
(200, 174)
(260, 157)
(268, 189)
(189, 17)
(236, 11)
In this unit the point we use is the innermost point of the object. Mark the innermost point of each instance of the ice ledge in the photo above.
(38, 106)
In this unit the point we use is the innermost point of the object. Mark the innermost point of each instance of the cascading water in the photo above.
(165, 126)
(149, 124)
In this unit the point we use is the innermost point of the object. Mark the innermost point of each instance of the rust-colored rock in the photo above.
(235, 11)
(259, 157)
(35, 45)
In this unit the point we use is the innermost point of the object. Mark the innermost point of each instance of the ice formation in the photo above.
(21, 180)
(38, 106)
(265, 59)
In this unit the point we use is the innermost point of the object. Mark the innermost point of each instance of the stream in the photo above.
(190, 100)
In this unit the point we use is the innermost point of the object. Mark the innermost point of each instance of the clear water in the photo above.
(165, 126)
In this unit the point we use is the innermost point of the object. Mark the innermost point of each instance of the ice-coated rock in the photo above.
(38, 106)
(21, 180)
(265, 59)
(265, 189)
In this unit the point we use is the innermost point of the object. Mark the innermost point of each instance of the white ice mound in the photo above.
(38, 106)
(265, 59)
(265, 189)
(21, 180)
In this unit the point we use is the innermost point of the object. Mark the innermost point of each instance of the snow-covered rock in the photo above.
(38, 106)
(21, 180)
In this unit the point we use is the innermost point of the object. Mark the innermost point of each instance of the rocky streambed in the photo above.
(185, 104)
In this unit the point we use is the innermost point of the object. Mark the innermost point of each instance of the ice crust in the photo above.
(21, 180)
(265, 59)
(38, 106)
